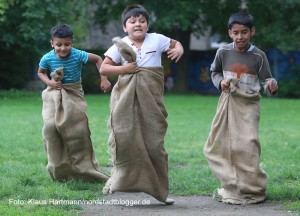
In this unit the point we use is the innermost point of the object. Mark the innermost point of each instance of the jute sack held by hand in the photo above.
(138, 126)
(233, 148)
(67, 136)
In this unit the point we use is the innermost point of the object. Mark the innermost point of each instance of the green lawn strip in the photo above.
(23, 160)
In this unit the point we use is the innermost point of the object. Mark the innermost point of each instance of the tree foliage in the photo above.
(25, 24)
(279, 24)
(276, 21)
(25, 33)
(165, 16)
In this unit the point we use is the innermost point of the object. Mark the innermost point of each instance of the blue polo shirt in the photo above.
(72, 64)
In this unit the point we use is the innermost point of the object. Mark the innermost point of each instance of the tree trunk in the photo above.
(182, 66)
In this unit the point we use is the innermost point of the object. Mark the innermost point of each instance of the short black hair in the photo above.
(62, 31)
(241, 18)
(134, 11)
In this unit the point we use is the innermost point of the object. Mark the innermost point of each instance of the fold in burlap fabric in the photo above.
(233, 148)
(138, 126)
(67, 136)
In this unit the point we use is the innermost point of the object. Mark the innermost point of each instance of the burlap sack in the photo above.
(67, 136)
(138, 126)
(233, 148)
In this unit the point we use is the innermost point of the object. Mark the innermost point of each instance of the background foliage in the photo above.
(25, 26)
(25, 34)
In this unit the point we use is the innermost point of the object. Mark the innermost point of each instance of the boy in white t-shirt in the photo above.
(138, 116)
(147, 46)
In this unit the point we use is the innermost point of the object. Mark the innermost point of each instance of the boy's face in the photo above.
(241, 35)
(136, 27)
(62, 46)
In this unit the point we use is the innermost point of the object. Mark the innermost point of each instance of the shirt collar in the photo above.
(249, 49)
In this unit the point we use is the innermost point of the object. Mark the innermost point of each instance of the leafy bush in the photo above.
(91, 77)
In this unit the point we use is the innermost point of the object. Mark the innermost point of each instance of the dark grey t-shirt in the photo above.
(251, 68)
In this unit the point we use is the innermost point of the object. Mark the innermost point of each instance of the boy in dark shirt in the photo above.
(233, 148)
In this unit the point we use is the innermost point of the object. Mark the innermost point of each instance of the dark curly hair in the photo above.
(241, 18)
(134, 11)
(62, 31)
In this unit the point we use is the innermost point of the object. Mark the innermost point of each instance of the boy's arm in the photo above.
(266, 79)
(217, 74)
(49, 82)
(105, 85)
(175, 50)
(109, 67)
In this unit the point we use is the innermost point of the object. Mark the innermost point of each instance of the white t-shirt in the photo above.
(150, 53)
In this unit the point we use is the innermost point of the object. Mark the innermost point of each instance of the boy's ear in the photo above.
(252, 32)
(124, 28)
(229, 33)
(51, 42)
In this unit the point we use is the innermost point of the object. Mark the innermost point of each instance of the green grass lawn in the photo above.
(26, 185)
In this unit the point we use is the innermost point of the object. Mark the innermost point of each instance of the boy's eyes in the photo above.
(242, 32)
(133, 21)
(59, 45)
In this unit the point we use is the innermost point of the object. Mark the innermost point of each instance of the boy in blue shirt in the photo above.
(66, 133)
